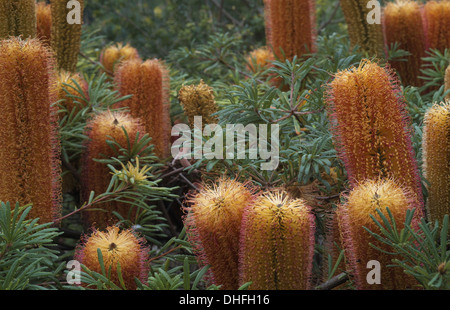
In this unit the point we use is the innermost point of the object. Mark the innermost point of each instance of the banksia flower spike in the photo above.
(44, 22)
(290, 27)
(213, 222)
(148, 82)
(66, 85)
(368, 36)
(17, 18)
(259, 59)
(371, 126)
(117, 247)
(436, 158)
(111, 56)
(198, 100)
(29, 156)
(277, 243)
(436, 16)
(96, 176)
(66, 37)
(352, 216)
(403, 24)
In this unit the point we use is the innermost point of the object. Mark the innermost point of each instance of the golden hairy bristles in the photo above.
(96, 176)
(436, 157)
(17, 18)
(148, 82)
(259, 59)
(66, 91)
(277, 243)
(117, 247)
(44, 22)
(437, 24)
(369, 37)
(447, 82)
(113, 55)
(362, 202)
(290, 27)
(65, 37)
(371, 126)
(213, 222)
(198, 100)
(29, 153)
(403, 24)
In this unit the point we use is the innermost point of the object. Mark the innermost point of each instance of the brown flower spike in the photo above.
(29, 157)
(117, 247)
(403, 24)
(277, 243)
(436, 158)
(352, 216)
(436, 15)
(213, 222)
(97, 176)
(370, 125)
(290, 27)
(148, 82)
(44, 22)
(17, 18)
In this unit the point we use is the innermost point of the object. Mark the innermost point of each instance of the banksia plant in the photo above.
(44, 22)
(362, 202)
(66, 37)
(290, 27)
(403, 24)
(259, 59)
(69, 85)
(96, 176)
(447, 82)
(370, 125)
(113, 55)
(436, 16)
(118, 248)
(198, 100)
(148, 82)
(436, 160)
(213, 222)
(277, 243)
(369, 37)
(29, 156)
(17, 18)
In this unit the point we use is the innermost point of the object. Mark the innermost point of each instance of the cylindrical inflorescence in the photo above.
(436, 160)
(213, 222)
(277, 243)
(148, 82)
(17, 18)
(29, 156)
(436, 16)
(44, 22)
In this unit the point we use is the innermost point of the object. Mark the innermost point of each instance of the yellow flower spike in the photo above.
(369, 37)
(133, 173)
(290, 27)
(65, 37)
(277, 243)
(17, 18)
(354, 215)
(213, 224)
(198, 100)
(403, 24)
(436, 159)
(113, 55)
(259, 59)
(117, 247)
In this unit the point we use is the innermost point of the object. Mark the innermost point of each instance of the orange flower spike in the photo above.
(117, 247)
(259, 59)
(371, 126)
(277, 243)
(148, 82)
(352, 216)
(213, 222)
(70, 79)
(44, 22)
(403, 24)
(17, 18)
(436, 15)
(97, 176)
(29, 157)
(436, 149)
(111, 56)
(290, 27)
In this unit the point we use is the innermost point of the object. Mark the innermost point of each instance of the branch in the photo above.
(334, 282)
